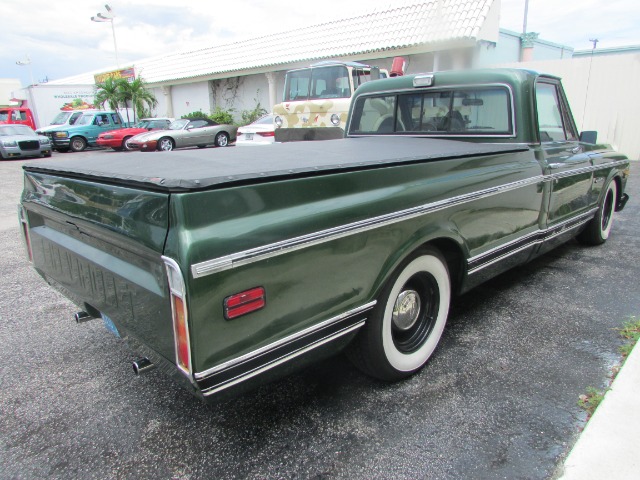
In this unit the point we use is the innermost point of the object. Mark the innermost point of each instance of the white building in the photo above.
(431, 35)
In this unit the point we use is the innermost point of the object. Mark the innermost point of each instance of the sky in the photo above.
(60, 39)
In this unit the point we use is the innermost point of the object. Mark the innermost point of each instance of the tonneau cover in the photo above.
(197, 169)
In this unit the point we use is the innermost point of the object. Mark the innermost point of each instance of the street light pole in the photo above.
(108, 17)
(25, 62)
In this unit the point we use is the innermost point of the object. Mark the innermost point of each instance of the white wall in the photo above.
(189, 97)
(603, 94)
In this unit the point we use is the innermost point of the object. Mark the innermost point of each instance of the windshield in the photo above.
(4, 116)
(178, 124)
(61, 118)
(84, 120)
(317, 83)
(142, 124)
(6, 130)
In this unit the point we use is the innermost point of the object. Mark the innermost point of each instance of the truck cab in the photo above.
(64, 118)
(17, 116)
(316, 100)
(85, 131)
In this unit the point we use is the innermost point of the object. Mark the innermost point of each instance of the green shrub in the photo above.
(196, 114)
(222, 116)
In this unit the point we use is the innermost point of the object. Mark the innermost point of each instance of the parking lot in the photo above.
(497, 400)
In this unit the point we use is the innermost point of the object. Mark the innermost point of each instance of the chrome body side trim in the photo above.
(282, 359)
(209, 267)
(501, 252)
(234, 260)
(284, 341)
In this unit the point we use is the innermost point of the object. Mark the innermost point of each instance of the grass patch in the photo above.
(589, 401)
(630, 330)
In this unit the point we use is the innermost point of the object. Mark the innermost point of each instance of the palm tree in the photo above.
(136, 92)
(110, 93)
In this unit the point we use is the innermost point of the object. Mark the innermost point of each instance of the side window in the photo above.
(115, 118)
(374, 115)
(74, 118)
(549, 113)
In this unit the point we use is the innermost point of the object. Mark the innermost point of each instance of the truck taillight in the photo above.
(22, 215)
(180, 315)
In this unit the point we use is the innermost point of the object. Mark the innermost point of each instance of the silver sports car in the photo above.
(19, 141)
(186, 132)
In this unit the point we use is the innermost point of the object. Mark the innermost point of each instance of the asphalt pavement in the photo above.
(497, 400)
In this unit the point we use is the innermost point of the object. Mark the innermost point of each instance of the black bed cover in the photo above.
(197, 169)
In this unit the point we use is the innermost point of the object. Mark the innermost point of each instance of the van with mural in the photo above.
(317, 98)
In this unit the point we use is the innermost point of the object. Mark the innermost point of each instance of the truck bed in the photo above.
(191, 170)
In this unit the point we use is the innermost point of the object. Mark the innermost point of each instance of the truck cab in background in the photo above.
(85, 131)
(17, 116)
(64, 118)
(316, 99)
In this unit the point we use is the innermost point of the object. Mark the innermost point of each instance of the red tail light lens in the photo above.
(244, 302)
(267, 134)
(181, 334)
(180, 315)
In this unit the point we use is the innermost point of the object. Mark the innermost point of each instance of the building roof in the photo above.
(406, 24)
(608, 51)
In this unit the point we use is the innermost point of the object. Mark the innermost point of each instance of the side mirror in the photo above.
(589, 136)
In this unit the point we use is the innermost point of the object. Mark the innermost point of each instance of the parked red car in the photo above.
(117, 139)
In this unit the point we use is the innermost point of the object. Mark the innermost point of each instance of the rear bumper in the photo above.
(306, 134)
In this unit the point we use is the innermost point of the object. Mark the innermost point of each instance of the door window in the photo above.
(553, 116)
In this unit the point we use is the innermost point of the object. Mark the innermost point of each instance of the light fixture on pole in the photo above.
(108, 17)
(24, 63)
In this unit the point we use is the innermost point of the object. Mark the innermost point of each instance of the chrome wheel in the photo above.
(222, 139)
(165, 144)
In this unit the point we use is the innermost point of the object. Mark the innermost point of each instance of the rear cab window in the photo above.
(458, 111)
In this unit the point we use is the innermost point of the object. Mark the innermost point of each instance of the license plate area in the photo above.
(109, 325)
(249, 136)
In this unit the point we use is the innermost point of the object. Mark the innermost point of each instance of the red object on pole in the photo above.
(398, 67)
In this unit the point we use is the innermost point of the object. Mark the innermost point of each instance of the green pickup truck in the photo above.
(232, 270)
(84, 132)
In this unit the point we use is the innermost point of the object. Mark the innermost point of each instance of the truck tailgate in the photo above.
(102, 245)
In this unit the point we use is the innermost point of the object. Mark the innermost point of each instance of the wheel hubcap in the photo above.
(414, 312)
(406, 310)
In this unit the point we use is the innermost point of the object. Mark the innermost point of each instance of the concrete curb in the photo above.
(609, 446)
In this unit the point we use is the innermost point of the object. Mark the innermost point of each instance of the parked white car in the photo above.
(260, 132)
